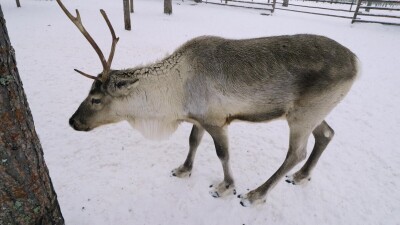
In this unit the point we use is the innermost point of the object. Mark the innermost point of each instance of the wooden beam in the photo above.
(321, 14)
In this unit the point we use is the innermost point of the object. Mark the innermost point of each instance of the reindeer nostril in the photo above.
(71, 122)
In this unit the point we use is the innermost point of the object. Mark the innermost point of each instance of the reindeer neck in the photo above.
(157, 101)
(160, 91)
(157, 69)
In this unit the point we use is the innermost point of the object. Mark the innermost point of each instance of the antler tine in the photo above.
(78, 23)
(115, 39)
(87, 75)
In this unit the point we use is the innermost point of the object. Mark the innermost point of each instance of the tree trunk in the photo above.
(168, 7)
(18, 4)
(131, 5)
(27, 195)
(127, 17)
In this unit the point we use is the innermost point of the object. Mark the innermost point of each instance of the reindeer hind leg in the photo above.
(323, 134)
(299, 134)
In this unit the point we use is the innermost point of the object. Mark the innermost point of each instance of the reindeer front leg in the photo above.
(185, 169)
(220, 137)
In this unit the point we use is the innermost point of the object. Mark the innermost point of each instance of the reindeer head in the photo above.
(97, 108)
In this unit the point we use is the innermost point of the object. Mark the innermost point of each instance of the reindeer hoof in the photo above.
(222, 190)
(250, 199)
(297, 179)
(181, 172)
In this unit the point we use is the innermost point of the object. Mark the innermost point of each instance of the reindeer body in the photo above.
(215, 81)
(211, 81)
(260, 79)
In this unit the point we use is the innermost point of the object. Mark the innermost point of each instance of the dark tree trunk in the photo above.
(168, 7)
(127, 17)
(27, 195)
(131, 5)
(18, 4)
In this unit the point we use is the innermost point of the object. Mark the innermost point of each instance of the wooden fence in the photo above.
(386, 9)
(267, 7)
(343, 9)
(341, 12)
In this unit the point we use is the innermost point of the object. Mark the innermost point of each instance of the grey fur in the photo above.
(212, 81)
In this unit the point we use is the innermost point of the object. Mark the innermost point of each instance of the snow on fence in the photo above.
(333, 8)
(388, 12)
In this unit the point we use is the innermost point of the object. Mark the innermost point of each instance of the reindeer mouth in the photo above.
(78, 126)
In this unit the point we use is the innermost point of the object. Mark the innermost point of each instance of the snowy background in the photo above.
(112, 175)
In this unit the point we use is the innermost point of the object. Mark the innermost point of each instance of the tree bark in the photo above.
(18, 3)
(127, 17)
(27, 195)
(131, 5)
(168, 7)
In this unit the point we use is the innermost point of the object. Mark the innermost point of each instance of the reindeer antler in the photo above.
(78, 23)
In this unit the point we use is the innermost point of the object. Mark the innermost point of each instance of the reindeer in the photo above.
(211, 82)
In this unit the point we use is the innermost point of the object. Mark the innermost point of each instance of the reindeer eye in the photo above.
(96, 101)
(121, 84)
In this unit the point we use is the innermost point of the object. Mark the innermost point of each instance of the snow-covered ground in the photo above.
(113, 175)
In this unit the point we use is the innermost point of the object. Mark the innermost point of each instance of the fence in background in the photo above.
(333, 8)
(340, 10)
(385, 12)
(267, 7)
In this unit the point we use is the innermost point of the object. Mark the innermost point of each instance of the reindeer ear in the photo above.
(124, 87)
(126, 84)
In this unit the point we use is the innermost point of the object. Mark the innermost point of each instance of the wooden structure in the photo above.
(318, 10)
(267, 7)
(384, 11)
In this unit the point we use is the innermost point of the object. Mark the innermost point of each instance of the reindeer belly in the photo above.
(256, 117)
(227, 110)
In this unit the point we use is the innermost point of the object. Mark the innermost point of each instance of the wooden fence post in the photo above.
(273, 6)
(127, 17)
(351, 6)
(168, 7)
(369, 3)
(285, 3)
(131, 5)
(356, 11)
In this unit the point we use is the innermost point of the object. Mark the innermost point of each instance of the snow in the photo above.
(113, 175)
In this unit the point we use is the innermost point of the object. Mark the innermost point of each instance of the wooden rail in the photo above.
(314, 13)
(316, 7)
(378, 15)
(323, 11)
(255, 3)
(379, 8)
(358, 13)
(269, 6)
